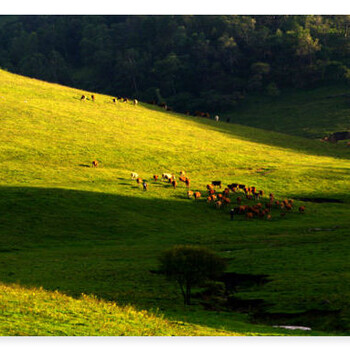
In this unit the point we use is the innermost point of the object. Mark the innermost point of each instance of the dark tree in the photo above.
(190, 266)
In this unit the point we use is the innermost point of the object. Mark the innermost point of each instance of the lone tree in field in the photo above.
(190, 266)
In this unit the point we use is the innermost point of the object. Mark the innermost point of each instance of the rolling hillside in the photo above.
(73, 229)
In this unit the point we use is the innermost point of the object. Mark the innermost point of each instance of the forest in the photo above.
(211, 63)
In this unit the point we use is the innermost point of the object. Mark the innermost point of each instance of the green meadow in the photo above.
(79, 245)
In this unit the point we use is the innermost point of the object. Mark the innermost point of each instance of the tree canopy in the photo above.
(208, 63)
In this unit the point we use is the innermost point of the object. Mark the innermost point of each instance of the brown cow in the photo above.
(174, 183)
(93, 97)
(95, 163)
(139, 180)
(249, 215)
(189, 194)
(187, 182)
(197, 195)
(83, 97)
(155, 177)
(183, 178)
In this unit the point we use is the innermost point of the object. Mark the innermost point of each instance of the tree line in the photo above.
(210, 63)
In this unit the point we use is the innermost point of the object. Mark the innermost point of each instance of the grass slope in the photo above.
(310, 113)
(68, 227)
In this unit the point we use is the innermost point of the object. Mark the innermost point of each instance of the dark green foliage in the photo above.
(205, 63)
(190, 266)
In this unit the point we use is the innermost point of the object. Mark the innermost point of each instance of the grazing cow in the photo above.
(197, 195)
(166, 176)
(337, 136)
(182, 178)
(174, 183)
(83, 97)
(182, 173)
(139, 180)
(216, 118)
(95, 163)
(124, 99)
(187, 181)
(216, 183)
(93, 97)
(301, 209)
(249, 215)
(135, 102)
(233, 187)
(155, 177)
(210, 187)
(134, 175)
(145, 185)
(190, 194)
(218, 204)
(226, 200)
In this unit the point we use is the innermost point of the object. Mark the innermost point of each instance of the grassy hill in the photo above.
(308, 113)
(73, 229)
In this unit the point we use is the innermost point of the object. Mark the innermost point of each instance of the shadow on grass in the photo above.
(102, 244)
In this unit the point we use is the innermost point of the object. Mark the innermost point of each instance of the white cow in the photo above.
(217, 118)
(134, 175)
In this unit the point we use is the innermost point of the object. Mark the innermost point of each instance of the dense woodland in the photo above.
(209, 63)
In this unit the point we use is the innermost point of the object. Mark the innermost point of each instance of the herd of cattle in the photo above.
(257, 204)
(114, 100)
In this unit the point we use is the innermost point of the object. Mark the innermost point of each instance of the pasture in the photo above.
(69, 227)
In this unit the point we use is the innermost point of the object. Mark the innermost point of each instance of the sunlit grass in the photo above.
(67, 226)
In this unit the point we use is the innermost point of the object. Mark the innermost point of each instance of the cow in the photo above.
(83, 97)
(145, 185)
(210, 187)
(197, 195)
(135, 102)
(187, 181)
(216, 183)
(139, 180)
(93, 97)
(166, 176)
(95, 163)
(189, 194)
(174, 183)
(183, 178)
(216, 118)
(134, 175)
(155, 177)
(337, 136)
(114, 100)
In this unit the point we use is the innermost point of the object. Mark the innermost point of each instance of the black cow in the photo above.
(337, 136)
